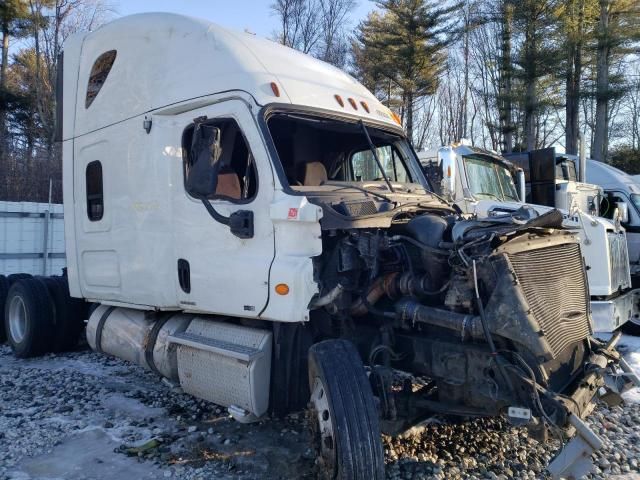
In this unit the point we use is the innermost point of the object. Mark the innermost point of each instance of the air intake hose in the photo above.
(468, 326)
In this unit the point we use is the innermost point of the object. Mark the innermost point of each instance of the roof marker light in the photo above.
(339, 100)
(365, 106)
(353, 103)
(396, 118)
(275, 89)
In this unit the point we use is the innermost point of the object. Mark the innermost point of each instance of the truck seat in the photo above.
(314, 174)
(229, 185)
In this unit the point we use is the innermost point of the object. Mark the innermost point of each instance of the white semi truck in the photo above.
(621, 192)
(252, 224)
(481, 182)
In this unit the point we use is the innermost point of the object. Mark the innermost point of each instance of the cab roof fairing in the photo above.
(609, 177)
(161, 60)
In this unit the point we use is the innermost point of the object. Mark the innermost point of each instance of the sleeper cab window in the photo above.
(95, 196)
(97, 77)
(218, 163)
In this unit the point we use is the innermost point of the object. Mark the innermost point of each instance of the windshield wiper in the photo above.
(372, 147)
(356, 187)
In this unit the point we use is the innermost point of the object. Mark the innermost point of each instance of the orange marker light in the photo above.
(339, 100)
(396, 118)
(365, 106)
(353, 103)
(282, 289)
(275, 89)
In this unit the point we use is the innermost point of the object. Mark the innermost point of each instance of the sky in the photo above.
(252, 15)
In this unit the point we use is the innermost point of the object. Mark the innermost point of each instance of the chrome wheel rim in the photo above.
(323, 426)
(17, 319)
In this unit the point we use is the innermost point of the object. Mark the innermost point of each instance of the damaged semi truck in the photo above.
(481, 183)
(254, 225)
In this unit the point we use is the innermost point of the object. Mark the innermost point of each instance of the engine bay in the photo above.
(461, 316)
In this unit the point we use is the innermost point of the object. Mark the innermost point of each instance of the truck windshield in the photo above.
(324, 154)
(489, 179)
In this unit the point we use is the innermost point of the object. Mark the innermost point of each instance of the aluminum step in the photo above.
(227, 349)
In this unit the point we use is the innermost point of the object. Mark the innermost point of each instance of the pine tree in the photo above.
(577, 19)
(13, 15)
(403, 48)
(538, 59)
(617, 33)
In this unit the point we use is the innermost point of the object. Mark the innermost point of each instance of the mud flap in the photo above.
(574, 460)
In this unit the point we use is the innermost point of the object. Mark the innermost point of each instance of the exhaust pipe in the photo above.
(582, 173)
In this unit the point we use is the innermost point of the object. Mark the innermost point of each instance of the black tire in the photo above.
(31, 298)
(69, 315)
(14, 277)
(632, 327)
(4, 290)
(342, 400)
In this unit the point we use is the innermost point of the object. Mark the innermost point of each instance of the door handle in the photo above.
(184, 275)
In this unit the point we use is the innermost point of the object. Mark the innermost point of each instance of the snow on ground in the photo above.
(85, 416)
(629, 347)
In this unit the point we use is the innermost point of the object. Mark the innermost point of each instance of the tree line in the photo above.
(508, 75)
(33, 33)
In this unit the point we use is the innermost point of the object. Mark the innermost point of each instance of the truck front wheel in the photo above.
(632, 327)
(344, 418)
(28, 317)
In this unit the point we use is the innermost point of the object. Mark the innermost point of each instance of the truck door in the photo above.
(217, 270)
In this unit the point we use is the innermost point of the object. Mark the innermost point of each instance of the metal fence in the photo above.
(31, 238)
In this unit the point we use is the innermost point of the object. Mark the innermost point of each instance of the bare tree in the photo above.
(334, 45)
(299, 23)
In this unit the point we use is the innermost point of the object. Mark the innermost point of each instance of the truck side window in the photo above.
(237, 180)
(95, 196)
(97, 77)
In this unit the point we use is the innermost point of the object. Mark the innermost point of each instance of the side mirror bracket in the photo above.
(241, 223)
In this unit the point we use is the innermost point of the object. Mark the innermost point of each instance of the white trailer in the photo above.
(254, 225)
(31, 238)
(481, 182)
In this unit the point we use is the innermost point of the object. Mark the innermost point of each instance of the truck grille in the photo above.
(619, 261)
(555, 288)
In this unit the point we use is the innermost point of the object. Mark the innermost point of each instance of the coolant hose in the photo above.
(468, 326)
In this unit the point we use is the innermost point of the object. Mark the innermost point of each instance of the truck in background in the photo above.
(481, 182)
(556, 180)
(621, 192)
(253, 224)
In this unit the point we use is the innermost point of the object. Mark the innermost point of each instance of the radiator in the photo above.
(556, 290)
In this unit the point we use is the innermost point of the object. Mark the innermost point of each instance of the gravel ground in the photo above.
(87, 416)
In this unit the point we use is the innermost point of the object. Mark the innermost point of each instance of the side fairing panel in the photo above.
(69, 219)
(124, 256)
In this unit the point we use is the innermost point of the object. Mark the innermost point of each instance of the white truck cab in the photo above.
(622, 192)
(253, 224)
(481, 182)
